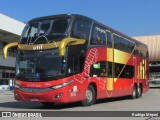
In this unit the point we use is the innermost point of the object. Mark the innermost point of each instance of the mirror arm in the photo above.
(71, 41)
(5, 49)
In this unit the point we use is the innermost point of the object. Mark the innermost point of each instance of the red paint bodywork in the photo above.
(121, 87)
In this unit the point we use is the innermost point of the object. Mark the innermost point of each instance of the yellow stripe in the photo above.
(138, 76)
(121, 57)
(60, 44)
(110, 54)
(145, 69)
(109, 84)
(33, 46)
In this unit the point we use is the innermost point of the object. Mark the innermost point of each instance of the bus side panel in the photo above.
(94, 55)
(142, 74)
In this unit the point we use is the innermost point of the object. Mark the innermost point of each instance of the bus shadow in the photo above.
(38, 106)
(107, 100)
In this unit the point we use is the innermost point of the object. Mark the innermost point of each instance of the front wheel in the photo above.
(90, 96)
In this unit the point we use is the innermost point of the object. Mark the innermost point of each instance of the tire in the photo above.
(47, 104)
(139, 92)
(134, 92)
(90, 96)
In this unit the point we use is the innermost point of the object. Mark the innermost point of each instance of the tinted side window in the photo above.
(128, 72)
(101, 69)
(109, 39)
(118, 68)
(81, 29)
(123, 44)
(98, 69)
(75, 64)
(123, 71)
(98, 36)
(109, 69)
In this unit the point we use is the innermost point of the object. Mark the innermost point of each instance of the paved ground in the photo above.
(148, 102)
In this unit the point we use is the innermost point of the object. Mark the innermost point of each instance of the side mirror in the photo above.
(69, 41)
(5, 49)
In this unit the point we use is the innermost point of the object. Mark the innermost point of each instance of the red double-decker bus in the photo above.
(68, 58)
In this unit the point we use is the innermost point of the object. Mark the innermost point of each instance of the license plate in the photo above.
(34, 99)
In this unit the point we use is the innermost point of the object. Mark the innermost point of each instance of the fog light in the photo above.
(58, 95)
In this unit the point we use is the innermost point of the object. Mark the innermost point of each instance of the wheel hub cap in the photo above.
(88, 96)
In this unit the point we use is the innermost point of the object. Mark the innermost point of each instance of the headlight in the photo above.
(17, 84)
(62, 85)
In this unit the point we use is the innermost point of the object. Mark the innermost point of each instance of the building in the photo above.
(10, 31)
(153, 43)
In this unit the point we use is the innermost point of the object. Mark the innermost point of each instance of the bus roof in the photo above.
(84, 17)
(61, 15)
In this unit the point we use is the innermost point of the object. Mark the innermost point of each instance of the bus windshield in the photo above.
(45, 31)
(39, 65)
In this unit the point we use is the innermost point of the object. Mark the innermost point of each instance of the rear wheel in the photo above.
(139, 92)
(90, 96)
(134, 91)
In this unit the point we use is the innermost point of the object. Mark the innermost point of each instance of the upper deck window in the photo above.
(45, 31)
(123, 44)
(98, 36)
(109, 39)
(81, 29)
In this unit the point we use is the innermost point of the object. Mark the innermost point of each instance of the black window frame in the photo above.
(109, 39)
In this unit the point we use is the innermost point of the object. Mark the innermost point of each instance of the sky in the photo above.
(131, 17)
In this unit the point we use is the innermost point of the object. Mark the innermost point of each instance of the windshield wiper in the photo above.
(54, 77)
(26, 75)
(49, 76)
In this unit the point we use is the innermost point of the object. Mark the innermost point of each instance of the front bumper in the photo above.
(49, 96)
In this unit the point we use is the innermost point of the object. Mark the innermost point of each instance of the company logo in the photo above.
(37, 47)
(6, 114)
(34, 85)
(20, 114)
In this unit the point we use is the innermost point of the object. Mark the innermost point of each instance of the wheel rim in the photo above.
(139, 91)
(89, 95)
(134, 92)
